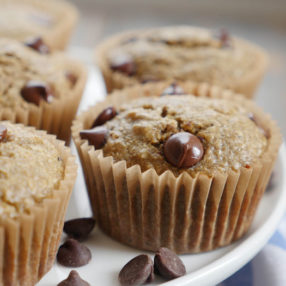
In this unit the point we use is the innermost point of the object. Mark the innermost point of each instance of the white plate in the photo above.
(202, 269)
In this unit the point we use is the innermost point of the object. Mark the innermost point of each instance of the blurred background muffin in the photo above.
(51, 20)
(181, 53)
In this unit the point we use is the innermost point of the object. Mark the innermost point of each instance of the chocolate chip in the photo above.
(106, 115)
(35, 91)
(264, 131)
(73, 254)
(79, 228)
(173, 89)
(183, 150)
(137, 271)
(38, 44)
(224, 37)
(96, 136)
(129, 40)
(73, 280)
(123, 63)
(3, 132)
(169, 265)
(72, 78)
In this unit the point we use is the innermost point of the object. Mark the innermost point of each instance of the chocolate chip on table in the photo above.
(36, 91)
(96, 136)
(224, 38)
(173, 89)
(72, 78)
(79, 228)
(123, 63)
(38, 44)
(106, 115)
(73, 254)
(73, 280)
(3, 132)
(183, 150)
(137, 271)
(168, 264)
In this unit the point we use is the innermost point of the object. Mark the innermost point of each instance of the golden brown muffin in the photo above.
(181, 166)
(181, 53)
(51, 20)
(37, 174)
(41, 90)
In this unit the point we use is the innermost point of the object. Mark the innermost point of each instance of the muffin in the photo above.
(181, 53)
(182, 167)
(53, 21)
(40, 90)
(37, 174)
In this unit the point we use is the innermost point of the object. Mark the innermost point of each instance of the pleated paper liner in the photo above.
(29, 242)
(64, 18)
(56, 117)
(187, 214)
(245, 85)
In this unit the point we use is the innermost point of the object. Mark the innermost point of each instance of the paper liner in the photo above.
(29, 242)
(246, 85)
(56, 117)
(187, 214)
(57, 37)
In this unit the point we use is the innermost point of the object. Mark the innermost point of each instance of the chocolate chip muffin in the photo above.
(182, 166)
(39, 89)
(37, 174)
(181, 53)
(53, 21)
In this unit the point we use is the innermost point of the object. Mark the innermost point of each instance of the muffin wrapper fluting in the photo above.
(246, 84)
(29, 242)
(56, 117)
(187, 214)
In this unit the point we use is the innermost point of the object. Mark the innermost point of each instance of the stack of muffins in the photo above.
(177, 155)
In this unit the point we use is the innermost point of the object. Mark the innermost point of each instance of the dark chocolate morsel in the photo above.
(224, 37)
(129, 40)
(73, 280)
(137, 271)
(38, 45)
(73, 254)
(106, 115)
(72, 78)
(123, 63)
(79, 228)
(3, 132)
(96, 136)
(264, 131)
(173, 89)
(183, 150)
(168, 264)
(35, 91)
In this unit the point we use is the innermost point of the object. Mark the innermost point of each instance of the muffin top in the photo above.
(180, 133)
(30, 168)
(28, 76)
(182, 53)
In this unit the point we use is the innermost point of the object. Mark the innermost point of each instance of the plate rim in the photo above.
(237, 256)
